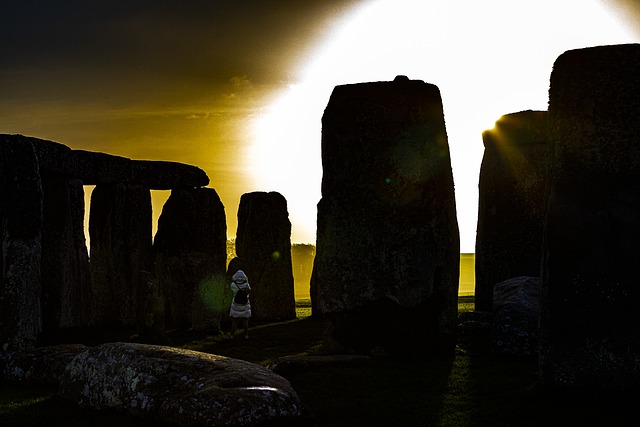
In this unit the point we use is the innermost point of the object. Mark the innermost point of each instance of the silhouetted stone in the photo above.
(66, 278)
(51, 231)
(161, 175)
(42, 365)
(516, 310)
(263, 240)
(100, 168)
(20, 231)
(191, 255)
(178, 386)
(52, 156)
(513, 179)
(387, 256)
(120, 231)
(590, 322)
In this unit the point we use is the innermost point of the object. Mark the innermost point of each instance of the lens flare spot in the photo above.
(214, 293)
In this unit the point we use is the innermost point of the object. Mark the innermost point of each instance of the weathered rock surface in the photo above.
(20, 231)
(66, 278)
(42, 365)
(263, 241)
(513, 179)
(100, 168)
(121, 251)
(387, 243)
(190, 259)
(590, 324)
(46, 275)
(516, 311)
(178, 386)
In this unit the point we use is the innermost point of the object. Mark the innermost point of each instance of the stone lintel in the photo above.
(100, 168)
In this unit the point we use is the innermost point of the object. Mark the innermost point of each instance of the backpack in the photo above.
(241, 297)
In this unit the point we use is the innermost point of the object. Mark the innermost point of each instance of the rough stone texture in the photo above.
(120, 231)
(590, 323)
(263, 240)
(190, 256)
(66, 279)
(20, 231)
(100, 168)
(387, 257)
(513, 179)
(161, 175)
(516, 311)
(179, 386)
(42, 365)
(52, 156)
(41, 219)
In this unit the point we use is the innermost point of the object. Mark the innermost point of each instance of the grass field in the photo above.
(475, 388)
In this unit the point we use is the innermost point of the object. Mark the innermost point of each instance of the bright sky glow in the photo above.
(488, 58)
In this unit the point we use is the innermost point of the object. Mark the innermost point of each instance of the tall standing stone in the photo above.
(120, 232)
(263, 241)
(20, 231)
(590, 322)
(66, 278)
(513, 178)
(387, 256)
(190, 254)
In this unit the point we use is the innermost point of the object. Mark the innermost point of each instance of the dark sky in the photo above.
(185, 80)
(134, 45)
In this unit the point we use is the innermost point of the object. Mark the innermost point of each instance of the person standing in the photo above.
(240, 305)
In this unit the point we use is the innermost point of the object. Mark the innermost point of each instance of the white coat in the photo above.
(240, 282)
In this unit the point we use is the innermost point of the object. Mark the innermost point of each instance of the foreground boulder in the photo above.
(590, 322)
(516, 308)
(388, 255)
(179, 386)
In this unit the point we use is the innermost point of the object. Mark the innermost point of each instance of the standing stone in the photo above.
(590, 322)
(516, 310)
(66, 278)
(191, 252)
(511, 205)
(387, 256)
(20, 230)
(263, 241)
(120, 232)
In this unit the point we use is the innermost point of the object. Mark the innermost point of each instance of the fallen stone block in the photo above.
(178, 386)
